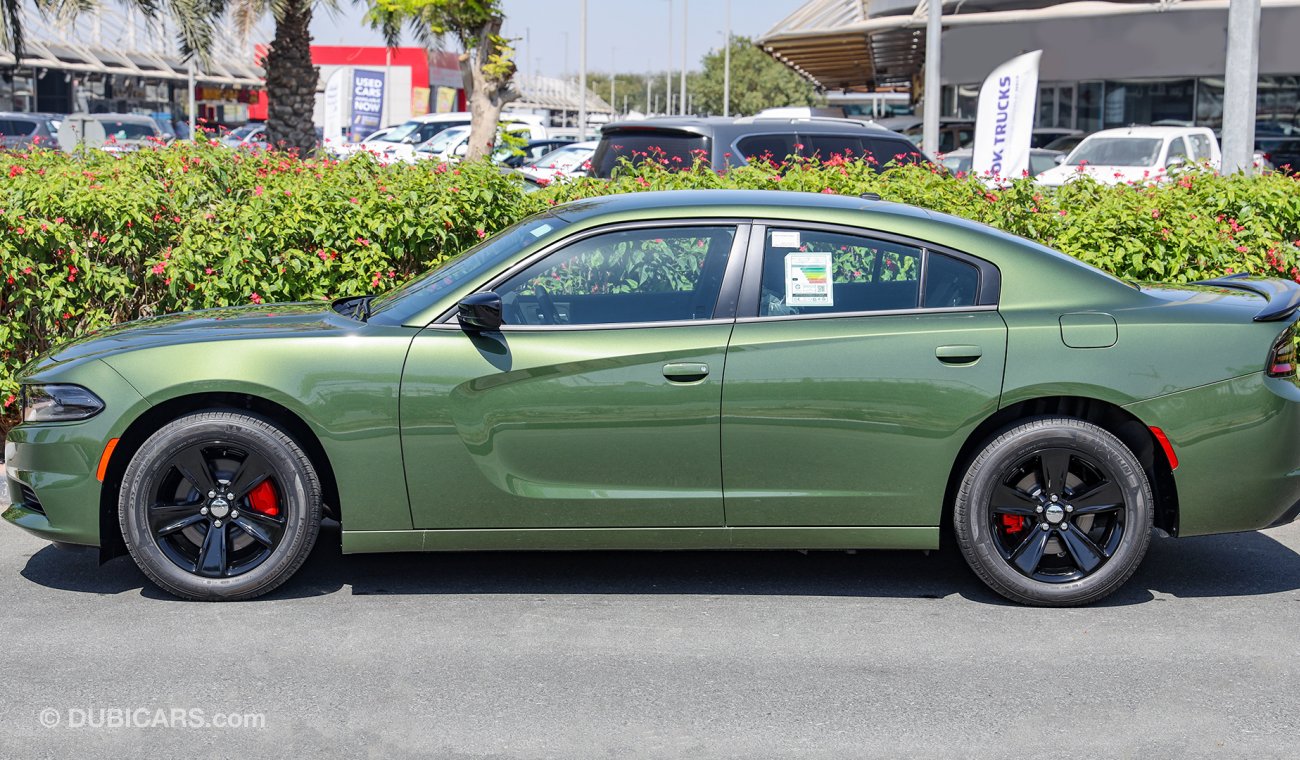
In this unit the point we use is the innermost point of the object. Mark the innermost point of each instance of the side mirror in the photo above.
(1060, 159)
(480, 311)
(462, 150)
(1175, 161)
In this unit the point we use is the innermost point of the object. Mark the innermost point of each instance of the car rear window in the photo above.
(675, 150)
(16, 127)
(766, 147)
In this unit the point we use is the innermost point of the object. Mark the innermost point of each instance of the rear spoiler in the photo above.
(1283, 295)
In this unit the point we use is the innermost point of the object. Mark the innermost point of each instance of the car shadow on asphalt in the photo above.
(1242, 564)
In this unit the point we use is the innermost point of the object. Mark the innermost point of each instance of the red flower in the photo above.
(158, 268)
(12, 398)
(255, 298)
(257, 190)
(481, 234)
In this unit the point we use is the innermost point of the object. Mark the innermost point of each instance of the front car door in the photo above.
(597, 403)
(859, 364)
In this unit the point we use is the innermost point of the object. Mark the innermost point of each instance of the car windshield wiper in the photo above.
(361, 310)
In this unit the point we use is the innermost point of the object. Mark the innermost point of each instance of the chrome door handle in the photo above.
(958, 354)
(686, 372)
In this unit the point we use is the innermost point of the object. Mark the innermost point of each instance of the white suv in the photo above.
(1136, 154)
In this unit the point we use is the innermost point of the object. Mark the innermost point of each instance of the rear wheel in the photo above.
(219, 506)
(1054, 512)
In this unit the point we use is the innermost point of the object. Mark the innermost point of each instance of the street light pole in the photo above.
(582, 74)
(1240, 80)
(682, 97)
(668, 75)
(726, 66)
(930, 112)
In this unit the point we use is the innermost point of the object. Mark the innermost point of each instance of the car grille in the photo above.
(29, 499)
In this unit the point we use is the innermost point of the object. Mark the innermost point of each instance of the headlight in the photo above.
(59, 403)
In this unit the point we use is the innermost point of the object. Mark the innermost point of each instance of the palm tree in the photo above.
(290, 76)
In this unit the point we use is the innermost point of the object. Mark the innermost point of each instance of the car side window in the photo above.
(816, 272)
(766, 147)
(827, 147)
(1200, 147)
(882, 151)
(658, 274)
(1177, 149)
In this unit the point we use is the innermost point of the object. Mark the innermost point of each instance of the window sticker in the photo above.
(808, 279)
(785, 239)
(541, 230)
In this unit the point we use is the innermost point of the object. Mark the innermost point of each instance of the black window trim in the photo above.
(988, 289)
(724, 310)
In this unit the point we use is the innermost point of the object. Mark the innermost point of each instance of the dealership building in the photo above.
(1104, 64)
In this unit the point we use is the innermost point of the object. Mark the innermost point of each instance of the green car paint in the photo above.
(822, 433)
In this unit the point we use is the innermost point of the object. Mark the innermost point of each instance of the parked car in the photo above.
(727, 143)
(535, 149)
(570, 160)
(1042, 137)
(1066, 143)
(1281, 152)
(250, 135)
(110, 132)
(1040, 160)
(953, 134)
(401, 142)
(20, 130)
(1136, 154)
(889, 370)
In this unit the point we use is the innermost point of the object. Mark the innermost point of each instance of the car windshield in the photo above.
(675, 150)
(1117, 151)
(416, 132)
(563, 159)
(126, 130)
(401, 304)
(444, 141)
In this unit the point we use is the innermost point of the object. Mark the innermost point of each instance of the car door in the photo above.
(597, 403)
(859, 364)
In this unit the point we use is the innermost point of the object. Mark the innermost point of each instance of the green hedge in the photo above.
(90, 240)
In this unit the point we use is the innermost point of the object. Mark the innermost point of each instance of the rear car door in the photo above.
(597, 403)
(859, 364)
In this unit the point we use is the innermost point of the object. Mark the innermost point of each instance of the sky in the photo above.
(626, 35)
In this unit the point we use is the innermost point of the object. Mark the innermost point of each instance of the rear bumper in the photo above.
(1238, 446)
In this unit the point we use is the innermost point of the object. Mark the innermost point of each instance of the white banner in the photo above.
(1005, 120)
(333, 115)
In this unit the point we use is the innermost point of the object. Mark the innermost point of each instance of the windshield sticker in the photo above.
(808, 279)
(541, 230)
(785, 239)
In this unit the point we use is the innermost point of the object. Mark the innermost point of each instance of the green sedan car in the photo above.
(686, 370)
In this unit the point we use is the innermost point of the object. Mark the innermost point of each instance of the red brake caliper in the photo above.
(263, 499)
(1013, 523)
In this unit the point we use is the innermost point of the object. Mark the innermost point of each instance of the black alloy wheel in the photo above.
(219, 506)
(1054, 511)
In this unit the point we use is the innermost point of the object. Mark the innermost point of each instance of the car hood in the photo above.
(1106, 175)
(231, 323)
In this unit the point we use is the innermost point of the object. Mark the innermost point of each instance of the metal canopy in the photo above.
(865, 45)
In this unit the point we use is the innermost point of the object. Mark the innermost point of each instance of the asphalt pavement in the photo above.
(699, 655)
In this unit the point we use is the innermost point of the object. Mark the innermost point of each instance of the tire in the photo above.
(189, 535)
(1054, 512)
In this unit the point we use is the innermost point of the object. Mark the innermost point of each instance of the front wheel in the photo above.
(219, 506)
(1054, 512)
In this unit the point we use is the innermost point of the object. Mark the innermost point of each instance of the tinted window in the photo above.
(813, 272)
(826, 147)
(766, 147)
(949, 282)
(885, 150)
(675, 150)
(16, 127)
(643, 275)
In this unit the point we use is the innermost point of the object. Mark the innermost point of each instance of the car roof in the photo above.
(718, 125)
(122, 117)
(1161, 132)
(756, 200)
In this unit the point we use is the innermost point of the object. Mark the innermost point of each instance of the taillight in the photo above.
(1282, 357)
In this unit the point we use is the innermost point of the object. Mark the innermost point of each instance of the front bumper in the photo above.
(51, 467)
(1238, 446)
